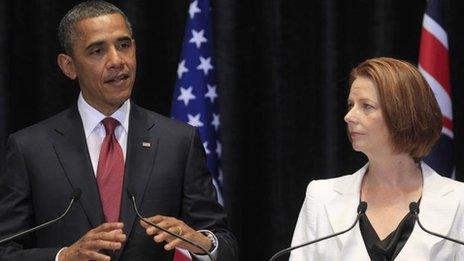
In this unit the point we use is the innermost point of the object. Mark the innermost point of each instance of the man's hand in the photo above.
(107, 236)
(178, 227)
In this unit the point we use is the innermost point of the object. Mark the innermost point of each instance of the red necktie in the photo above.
(110, 172)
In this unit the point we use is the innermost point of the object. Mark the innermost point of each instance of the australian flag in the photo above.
(435, 67)
(195, 98)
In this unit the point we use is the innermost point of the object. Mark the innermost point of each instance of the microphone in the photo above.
(362, 207)
(414, 208)
(73, 198)
(132, 197)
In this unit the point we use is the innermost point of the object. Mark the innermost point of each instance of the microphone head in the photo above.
(362, 207)
(414, 207)
(76, 195)
(130, 192)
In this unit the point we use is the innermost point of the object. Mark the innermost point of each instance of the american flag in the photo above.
(195, 98)
(435, 67)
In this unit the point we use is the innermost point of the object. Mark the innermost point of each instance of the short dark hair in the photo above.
(409, 107)
(89, 9)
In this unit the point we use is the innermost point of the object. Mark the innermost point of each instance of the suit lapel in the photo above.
(438, 207)
(342, 211)
(72, 152)
(141, 153)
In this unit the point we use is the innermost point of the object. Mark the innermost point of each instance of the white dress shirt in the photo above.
(95, 131)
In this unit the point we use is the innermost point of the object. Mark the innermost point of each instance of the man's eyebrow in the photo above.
(95, 44)
(124, 38)
(100, 43)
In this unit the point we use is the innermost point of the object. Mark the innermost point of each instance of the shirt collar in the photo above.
(91, 117)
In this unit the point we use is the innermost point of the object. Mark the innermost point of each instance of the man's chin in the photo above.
(119, 95)
(120, 101)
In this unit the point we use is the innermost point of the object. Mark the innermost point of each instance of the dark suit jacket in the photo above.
(46, 161)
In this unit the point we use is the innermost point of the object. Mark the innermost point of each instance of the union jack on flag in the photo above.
(435, 67)
(195, 98)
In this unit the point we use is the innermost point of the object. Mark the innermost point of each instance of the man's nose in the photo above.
(114, 58)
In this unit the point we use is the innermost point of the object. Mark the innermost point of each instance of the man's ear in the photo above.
(66, 64)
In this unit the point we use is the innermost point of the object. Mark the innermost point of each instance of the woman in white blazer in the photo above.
(394, 119)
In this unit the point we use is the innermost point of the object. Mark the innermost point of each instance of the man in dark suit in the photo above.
(103, 146)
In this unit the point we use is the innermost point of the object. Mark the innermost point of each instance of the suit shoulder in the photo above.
(41, 128)
(436, 178)
(168, 125)
(324, 189)
(457, 186)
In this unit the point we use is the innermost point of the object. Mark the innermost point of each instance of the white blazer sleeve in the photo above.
(305, 229)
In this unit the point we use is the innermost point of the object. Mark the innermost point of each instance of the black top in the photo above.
(388, 248)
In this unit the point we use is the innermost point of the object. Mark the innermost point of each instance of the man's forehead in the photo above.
(101, 25)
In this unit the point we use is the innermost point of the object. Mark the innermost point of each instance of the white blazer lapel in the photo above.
(438, 207)
(342, 211)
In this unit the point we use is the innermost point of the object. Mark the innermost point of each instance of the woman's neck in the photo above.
(399, 170)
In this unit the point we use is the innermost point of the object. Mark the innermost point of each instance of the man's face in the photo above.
(103, 60)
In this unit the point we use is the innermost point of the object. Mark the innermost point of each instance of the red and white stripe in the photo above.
(434, 66)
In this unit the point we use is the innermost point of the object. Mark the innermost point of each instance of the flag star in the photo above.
(186, 95)
(205, 65)
(205, 145)
(181, 69)
(195, 120)
(198, 38)
(216, 122)
(193, 9)
(211, 94)
(218, 148)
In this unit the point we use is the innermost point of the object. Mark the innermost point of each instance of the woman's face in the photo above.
(366, 125)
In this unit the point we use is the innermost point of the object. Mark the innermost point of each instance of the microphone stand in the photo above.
(361, 210)
(414, 208)
(132, 196)
(75, 196)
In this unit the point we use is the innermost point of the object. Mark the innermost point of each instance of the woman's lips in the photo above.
(355, 134)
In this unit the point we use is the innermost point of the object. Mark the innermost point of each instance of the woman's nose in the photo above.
(349, 116)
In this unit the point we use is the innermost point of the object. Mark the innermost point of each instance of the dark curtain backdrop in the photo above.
(282, 69)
